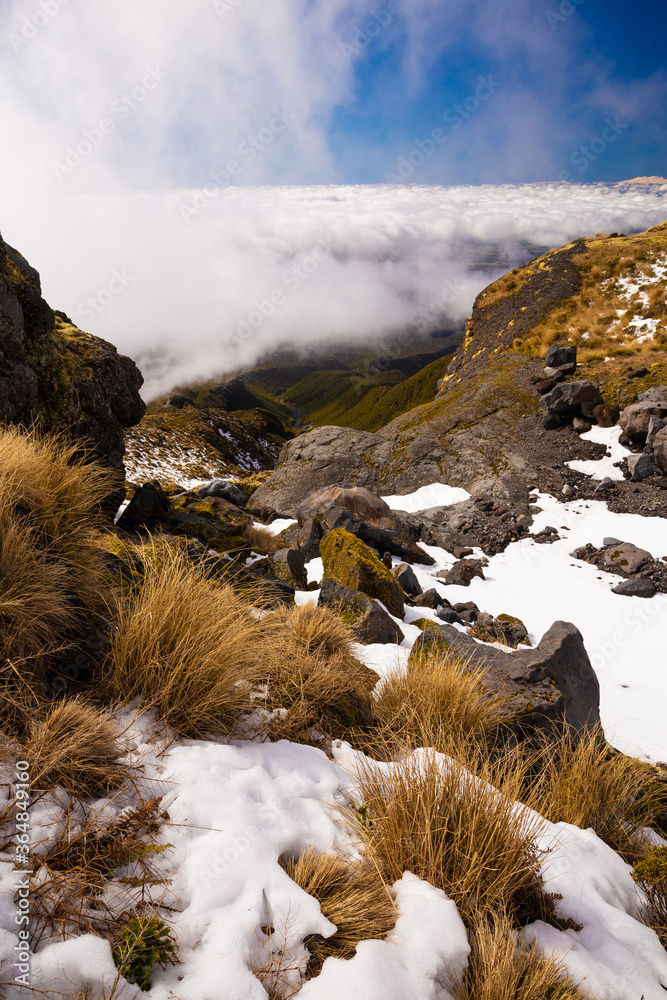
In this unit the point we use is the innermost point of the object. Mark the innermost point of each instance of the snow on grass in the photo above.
(435, 495)
(604, 467)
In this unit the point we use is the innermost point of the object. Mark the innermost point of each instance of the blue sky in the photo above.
(573, 89)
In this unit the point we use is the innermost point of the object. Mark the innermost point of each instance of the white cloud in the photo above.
(348, 262)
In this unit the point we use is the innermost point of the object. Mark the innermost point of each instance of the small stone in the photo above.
(559, 355)
(460, 552)
(604, 486)
(431, 599)
(450, 617)
(550, 421)
(581, 426)
(640, 466)
(638, 587)
(611, 541)
(407, 579)
(625, 559)
(567, 490)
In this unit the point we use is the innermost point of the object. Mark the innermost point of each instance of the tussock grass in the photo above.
(51, 583)
(186, 646)
(650, 874)
(499, 968)
(77, 746)
(578, 779)
(437, 702)
(430, 816)
(351, 894)
(312, 674)
(261, 540)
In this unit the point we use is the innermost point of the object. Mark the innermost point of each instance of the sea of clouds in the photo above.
(196, 284)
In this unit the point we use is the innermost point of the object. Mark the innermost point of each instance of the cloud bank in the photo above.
(197, 283)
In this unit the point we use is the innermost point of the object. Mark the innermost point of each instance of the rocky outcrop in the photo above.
(553, 682)
(58, 376)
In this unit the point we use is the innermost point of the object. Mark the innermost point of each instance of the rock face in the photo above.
(53, 373)
(553, 682)
(635, 418)
(347, 560)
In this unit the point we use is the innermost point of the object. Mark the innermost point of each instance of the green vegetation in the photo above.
(143, 943)
(350, 561)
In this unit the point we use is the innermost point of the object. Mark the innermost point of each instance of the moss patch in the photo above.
(349, 561)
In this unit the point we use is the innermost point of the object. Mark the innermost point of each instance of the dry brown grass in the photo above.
(313, 676)
(437, 702)
(187, 646)
(52, 582)
(451, 828)
(501, 969)
(262, 541)
(77, 746)
(87, 857)
(577, 779)
(351, 894)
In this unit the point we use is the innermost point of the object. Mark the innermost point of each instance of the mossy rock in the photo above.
(424, 623)
(352, 563)
(218, 524)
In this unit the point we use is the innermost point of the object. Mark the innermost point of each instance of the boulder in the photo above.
(580, 398)
(450, 617)
(625, 559)
(349, 561)
(358, 500)
(225, 489)
(558, 355)
(656, 394)
(553, 682)
(660, 449)
(463, 572)
(580, 425)
(430, 599)
(369, 622)
(634, 419)
(55, 375)
(638, 587)
(655, 425)
(147, 506)
(407, 579)
(640, 466)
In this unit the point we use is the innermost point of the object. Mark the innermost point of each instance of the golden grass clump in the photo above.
(261, 540)
(437, 701)
(351, 894)
(77, 746)
(650, 874)
(52, 581)
(312, 674)
(186, 646)
(430, 816)
(500, 968)
(578, 779)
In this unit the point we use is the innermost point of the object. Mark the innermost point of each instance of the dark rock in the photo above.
(465, 606)
(625, 559)
(638, 587)
(640, 466)
(296, 563)
(546, 385)
(638, 372)
(660, 449)
(655, 425)
(550, 421)
(407, 579)
(387, 560)
(369, 622)
(450, 617)
(391, 532)
(306, 538)
(605, 485)
(148, 505)
(572, 397)
(561, 372)
(460, 552)
(605, 414)
(550, 683)
(634, 419)
(558, 355)
(223, 488)
(431, 599)
(463, 572)
(177, 401)
(580, 425)
(54, 374)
